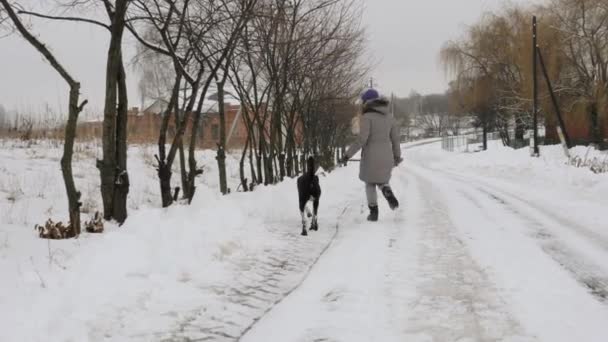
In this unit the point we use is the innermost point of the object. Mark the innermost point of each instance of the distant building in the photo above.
(144, 126)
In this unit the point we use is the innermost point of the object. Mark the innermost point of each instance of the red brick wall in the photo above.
(144, 129)
(577, 126)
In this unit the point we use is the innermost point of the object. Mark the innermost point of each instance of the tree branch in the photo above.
(37, 44)
(76, 19)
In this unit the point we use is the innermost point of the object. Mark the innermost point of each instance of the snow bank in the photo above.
(164, 270)
(549, 171)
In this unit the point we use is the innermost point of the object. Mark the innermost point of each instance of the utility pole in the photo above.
(564, 137)
(536, 151)
(371, 82)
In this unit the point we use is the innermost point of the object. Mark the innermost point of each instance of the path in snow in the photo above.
(461, 261)
(409, 276)
(262, 280)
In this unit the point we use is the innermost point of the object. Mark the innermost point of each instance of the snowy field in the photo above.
(489, 246)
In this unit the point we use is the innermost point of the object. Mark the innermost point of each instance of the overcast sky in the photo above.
(404, 37)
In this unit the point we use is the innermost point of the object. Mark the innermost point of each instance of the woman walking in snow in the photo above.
(379, 141)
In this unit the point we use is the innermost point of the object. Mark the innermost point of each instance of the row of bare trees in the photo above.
(428, 115)
(492, 67)
(294, 65)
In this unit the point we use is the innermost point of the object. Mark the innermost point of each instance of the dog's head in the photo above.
(311, 165)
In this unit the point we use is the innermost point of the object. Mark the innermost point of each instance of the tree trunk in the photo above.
(266, 163)
(259, 160)
(520, 129)
(296, 161)
(275, 164)
(164, 170)
(109, 164)
(254, 178)
(242, 167)
(70, 129)
(194, 171)
(164, 176)
(182, 156)
(182, 168)
(289, 166)
(485, 136)
(281, 155)
(122, 177)
(221, 146)
(66, 161)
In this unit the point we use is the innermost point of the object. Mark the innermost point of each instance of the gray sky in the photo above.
(404, 37)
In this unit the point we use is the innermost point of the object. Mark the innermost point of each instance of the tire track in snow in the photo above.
(456, 299)
(497, 192)
(544, 297)
(542, 224)
(584, 271)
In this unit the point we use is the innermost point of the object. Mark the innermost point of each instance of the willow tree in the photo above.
(476, 61)
(582, 29)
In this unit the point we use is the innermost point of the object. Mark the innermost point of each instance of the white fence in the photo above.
(466, 143)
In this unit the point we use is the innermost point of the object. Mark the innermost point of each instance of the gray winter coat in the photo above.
(379, 141)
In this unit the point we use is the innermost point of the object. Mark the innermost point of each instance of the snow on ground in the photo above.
(489, 246)
(200, 271)
(463, 261)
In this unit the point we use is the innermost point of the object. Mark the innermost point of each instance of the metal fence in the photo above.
(466, 143)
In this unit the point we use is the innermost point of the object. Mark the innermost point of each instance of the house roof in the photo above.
(210, 106)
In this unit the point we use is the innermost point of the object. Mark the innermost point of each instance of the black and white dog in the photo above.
(309, 190)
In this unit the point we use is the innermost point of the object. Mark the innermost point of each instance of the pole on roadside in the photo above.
(536, 151)
(563, 134)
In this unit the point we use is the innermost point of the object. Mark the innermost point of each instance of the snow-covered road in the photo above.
(491, 246)
(465, 259)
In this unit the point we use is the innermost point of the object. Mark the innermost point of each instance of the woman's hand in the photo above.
(344, 160)
(398, 161)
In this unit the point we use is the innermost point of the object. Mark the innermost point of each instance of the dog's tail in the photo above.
(311, 166)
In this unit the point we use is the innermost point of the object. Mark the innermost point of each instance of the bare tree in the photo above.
(199, 37)
(214, 54)
(113, 166)
(297, 68)
(74, 110)
(165, 24)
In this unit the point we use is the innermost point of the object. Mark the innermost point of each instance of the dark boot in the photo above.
(314, 225)
(387, 192)
(373, 213)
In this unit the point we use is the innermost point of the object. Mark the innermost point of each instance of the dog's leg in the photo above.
(304, 232)
(315, 225)
(302, 203)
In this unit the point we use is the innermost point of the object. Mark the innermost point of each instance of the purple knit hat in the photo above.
(370, 95)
